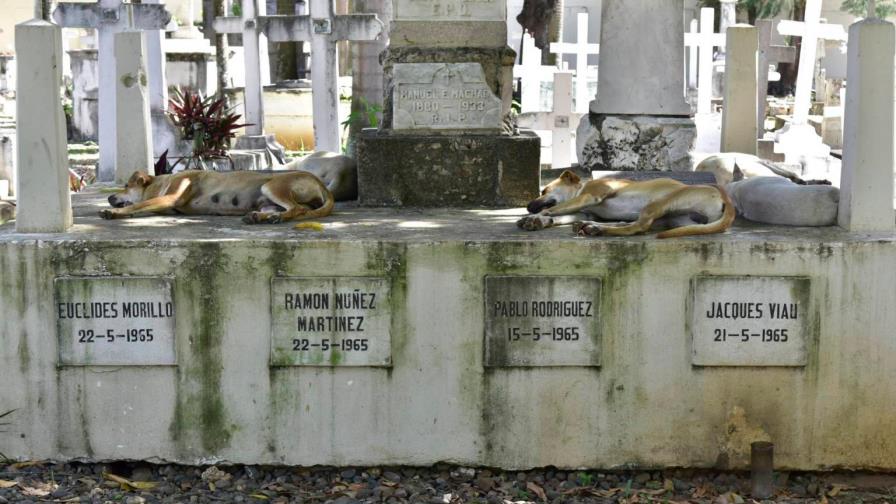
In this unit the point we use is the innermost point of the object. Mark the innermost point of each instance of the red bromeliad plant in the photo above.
(207, 122)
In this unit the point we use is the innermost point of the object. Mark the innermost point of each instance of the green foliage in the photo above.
(884, 8)
(760, 9)
(205, 121)
(237, 8)
(370, 111)
(584, 479)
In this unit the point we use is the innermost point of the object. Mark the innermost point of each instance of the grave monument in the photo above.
(447, 91)
(640, 119)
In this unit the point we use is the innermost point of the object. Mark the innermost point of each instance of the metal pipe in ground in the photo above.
(762, 463)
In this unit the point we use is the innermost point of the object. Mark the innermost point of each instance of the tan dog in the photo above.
(261, 197)
(682, 209)
(338, 172)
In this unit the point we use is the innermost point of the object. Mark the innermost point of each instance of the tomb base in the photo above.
(635, 143)
(262, 142)
(432, 170)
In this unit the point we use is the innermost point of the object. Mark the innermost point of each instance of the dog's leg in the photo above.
(289, 192)
(649, 213)
(165, 202)
(563, 214)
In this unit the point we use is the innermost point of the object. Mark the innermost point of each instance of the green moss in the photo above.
(390, 260)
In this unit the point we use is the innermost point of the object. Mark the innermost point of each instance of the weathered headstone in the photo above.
(447, 91)
(133, 132)
(542, 321)
(42, 188)
(738, 134)
(581, 49)
(866, 184)
(640, 119)
(705, 41)
(340, 321)
(124, 321)
(750, 321)
(769, 54)
(110, 17)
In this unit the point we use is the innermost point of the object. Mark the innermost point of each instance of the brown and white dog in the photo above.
(262, 198)
(641, 205)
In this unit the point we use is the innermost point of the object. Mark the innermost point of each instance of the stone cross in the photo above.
(581, 48)
(705, 41)
(558, 121)
(109, 17)
(323, 28)
(692, 33)
(531, 74)
(133, 132)
(768, 55)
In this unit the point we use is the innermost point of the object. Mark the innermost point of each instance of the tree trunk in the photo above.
(42, 9)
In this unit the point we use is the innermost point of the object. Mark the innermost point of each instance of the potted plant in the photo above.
(207, 123)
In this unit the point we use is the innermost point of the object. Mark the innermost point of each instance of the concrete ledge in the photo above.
(645, 406)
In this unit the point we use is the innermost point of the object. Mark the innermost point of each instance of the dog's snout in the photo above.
(113, 200)
(538, 205)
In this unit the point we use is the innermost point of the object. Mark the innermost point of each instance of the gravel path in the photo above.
(143, 483)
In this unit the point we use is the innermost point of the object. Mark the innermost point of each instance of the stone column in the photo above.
(640, 119)
(866, 184)
(133, 139)
(738, 133)
(44, 202)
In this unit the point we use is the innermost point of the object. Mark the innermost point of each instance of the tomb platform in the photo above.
(481, 344)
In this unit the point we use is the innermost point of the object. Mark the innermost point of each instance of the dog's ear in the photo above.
(570, 177)
(140, 178)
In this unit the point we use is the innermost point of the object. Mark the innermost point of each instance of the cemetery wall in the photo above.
(631, 395)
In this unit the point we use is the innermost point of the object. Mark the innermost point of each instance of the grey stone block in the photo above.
(430, 170)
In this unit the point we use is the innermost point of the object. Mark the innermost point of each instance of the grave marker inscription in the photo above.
(115, 321)
(542, 321)
(750, 321)
(331, 321)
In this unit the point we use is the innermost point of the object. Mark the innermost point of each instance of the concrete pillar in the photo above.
(324, 75)
(42, 192)
(866, 184)
(739, 130)
(133, 138)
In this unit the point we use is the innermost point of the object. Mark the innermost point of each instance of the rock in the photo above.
(485, 484)
(636, 143)
(391, 476)
(812, 488)
(681, 486)
(348, 474)
(642, 478)
(135, 499)
(142, 474)
(345, 500)
(401, 493)
(213, 474)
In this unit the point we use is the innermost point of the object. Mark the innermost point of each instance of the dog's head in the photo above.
(564, 188)
(133, 190)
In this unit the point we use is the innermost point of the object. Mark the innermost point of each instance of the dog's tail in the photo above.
(323, 210)
(718, 226)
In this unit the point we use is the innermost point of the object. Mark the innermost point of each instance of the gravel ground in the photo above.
(143, 483)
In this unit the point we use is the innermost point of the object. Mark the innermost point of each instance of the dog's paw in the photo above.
(586, 228)
(274, 218)
(534, 222)
(253, 218)
(109, 213)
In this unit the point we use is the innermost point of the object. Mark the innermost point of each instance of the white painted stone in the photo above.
(706, 41)
(693, 32)
(331, 321)
(531, 74)
(769, 55)
(534, 321)
(443, 96)
(133, 132)
(559, 121)
(642, 62)
(738, 133)
(122, 321)
(110, 17)
(581, 49)
(750, 321)
(42, 189)
(450, 10)
(866, 198)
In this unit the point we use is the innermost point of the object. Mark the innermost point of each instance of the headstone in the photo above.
(339, 321)
(706, 41)
(559, 121)
(110, 17)
(769, 55)
(133, 131)
(739, 135)
(640, 119)
(443, 96)
(536, 321)
(42, 187)
(531, 74)
(866, 185)
(123, 321)
(445, 140)
(581, 49)
(750, 321)
(798, 140)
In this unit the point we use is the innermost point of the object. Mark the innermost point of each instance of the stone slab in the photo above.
(449, 10)
(330, 321)
(470, 33)
(431, 170)
(536, 321)
(751, 321)
(443, 96)
(115, 321)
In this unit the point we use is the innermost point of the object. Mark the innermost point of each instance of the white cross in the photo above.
(581, 48)
(323, 28)
(768, 55)
(811, 30)
(531, 74)
(705, 41)
(692, 53)
(558, 121)
(110, 17)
